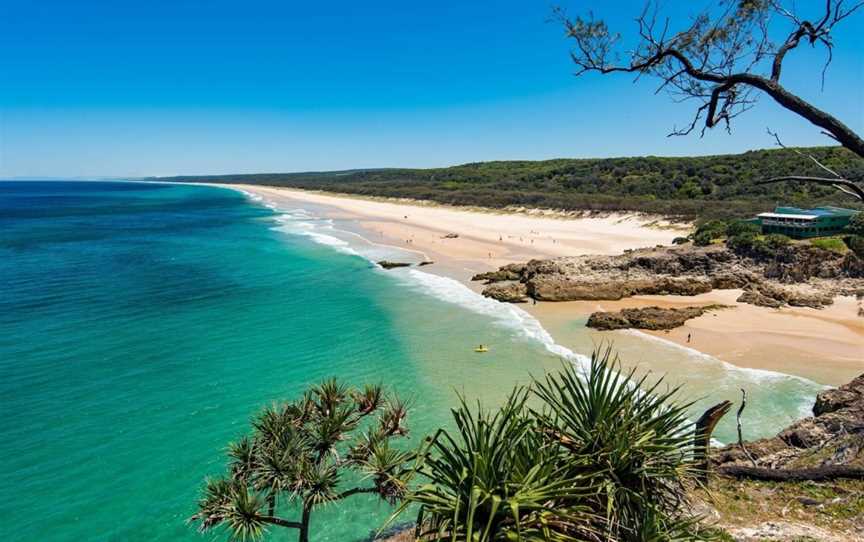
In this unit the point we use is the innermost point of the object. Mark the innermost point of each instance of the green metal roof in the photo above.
(816, 211)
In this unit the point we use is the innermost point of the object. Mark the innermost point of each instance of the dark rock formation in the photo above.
(754, 297)
(654, 318)
(427, 262)
(391, 265)
(834, 435)
(511, 271)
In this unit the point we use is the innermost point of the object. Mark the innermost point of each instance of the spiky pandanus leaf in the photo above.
(494, 480)
(387, 467)
(241, 458)
(293, 457)
(329, 395)
(369, 399)
(629, 436)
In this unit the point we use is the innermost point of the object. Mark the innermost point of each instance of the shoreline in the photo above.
(825, 346)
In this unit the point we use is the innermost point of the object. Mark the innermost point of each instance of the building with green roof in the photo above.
(805, 223)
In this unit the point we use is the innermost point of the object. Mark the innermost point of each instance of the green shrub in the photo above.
(737, 227)
(680, 241)
(777, 241)
(707, 232)
(750, 244)
(834, 244)
(702, 238)
(602, 456)
(856, 244)
(856, 224)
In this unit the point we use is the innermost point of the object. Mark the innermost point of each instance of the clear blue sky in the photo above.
(184, 87)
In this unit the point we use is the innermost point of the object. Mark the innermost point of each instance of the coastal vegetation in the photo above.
(745, 238)
(704, 187)
(599, 454)
(596, 456)
(603, 455)
(301, 454)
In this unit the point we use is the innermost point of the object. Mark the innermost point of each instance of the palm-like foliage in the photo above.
(495, 478)
(628, 436)
(602, 457)
(297, 455)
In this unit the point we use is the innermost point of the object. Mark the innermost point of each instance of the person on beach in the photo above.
(688, 338)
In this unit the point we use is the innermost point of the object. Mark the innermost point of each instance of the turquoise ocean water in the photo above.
(141, 325)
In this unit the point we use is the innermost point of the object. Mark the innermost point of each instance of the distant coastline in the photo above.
(683, 188)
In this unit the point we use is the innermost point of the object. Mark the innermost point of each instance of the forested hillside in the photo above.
(690, 187)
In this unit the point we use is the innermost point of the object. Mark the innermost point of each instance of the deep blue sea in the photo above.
(141, 325)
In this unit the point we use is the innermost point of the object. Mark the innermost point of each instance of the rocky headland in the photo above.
(797, 275)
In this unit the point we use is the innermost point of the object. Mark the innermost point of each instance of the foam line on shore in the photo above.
(505, 314)
(756, 374)
(301, 222)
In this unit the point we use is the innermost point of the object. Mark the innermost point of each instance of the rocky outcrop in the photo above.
(653, 318)
(681, 270)
(834, 435)
(847, 397)
(512, 271)
(766, 294)
(509, 292)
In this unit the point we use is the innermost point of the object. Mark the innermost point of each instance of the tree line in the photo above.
(683, 187)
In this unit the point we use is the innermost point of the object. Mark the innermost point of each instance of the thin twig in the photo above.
(738, 419)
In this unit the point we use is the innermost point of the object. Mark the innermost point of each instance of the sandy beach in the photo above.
(826, 345)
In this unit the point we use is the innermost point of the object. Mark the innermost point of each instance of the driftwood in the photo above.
(702, 440)
(816, 474)
(738, 420)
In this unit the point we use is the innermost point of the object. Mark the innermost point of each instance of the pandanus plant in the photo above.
(297, 458)
(602, 456)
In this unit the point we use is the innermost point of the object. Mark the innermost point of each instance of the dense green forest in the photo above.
(720, 186)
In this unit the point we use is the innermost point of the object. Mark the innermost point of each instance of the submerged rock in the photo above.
(391, 265)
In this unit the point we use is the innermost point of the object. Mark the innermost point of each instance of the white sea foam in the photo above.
(503, 314)
(758, 375)
(750, 375)
(300, 222)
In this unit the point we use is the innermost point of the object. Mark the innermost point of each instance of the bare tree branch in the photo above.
(837, 181)
(738, 421)
(845, 186)
(721, 59)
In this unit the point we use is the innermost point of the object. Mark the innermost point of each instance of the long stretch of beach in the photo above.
(825, 345)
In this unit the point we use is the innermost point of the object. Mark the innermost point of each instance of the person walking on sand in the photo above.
(688, 338)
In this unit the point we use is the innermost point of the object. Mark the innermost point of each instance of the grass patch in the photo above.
(837, 506)
(834, 244)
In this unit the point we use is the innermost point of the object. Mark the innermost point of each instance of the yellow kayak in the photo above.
(481, 349)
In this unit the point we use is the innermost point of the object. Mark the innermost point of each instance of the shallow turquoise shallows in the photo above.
(141, 325)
